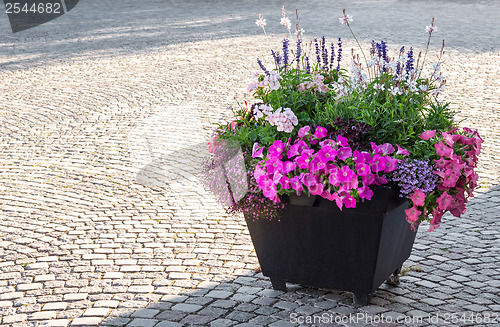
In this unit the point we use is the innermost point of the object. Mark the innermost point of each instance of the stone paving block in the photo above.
(145, 313)
(84, 321)
(222, 323)
(184, 307)
(54, 323)
(169, 324)
(43, 315)
(10, 319)
(142, 322)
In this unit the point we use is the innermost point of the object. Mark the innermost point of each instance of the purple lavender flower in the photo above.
(412, 175)
(276, 57)
(373, 48)
(285, 53)
(261, 65)
(299, 52)
(339, 53)
(318, 58)
(308, 65)
(332, 57)
(324, 53)
(409, 61)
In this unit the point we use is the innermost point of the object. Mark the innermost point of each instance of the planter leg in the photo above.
(394, 279)
(278, 284)
(362, 298)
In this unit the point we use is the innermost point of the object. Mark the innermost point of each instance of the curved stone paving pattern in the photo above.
(103, 127)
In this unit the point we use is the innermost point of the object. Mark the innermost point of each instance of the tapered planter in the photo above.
(318, 245)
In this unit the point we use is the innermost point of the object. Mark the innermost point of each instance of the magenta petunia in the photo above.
(344, 153)
(441, 163)
(449, 178)
(365, 192)
(362, 169)
(327, 153)
(436, 219)
(333, 179)
(443, 150)
(274, 165)
(390, 164)
(448, 138)
(402, 151)
(288, 166)
(342, 141)
(303, 160)
(375, 148)
(285, 183)
(304, 131)
(378, 163)
(349, 202)
(386, 149)
(257, 151)
(412, 214)
(316, 164)
(296, 184)
(316, 189)
(418, 198)
(444, 201)
(428, 134)
(345, 174)
(369, 179)
(276, 149)
(320, 132)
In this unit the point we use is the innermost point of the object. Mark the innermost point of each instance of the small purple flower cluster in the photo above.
(254, 205)
(413, 175)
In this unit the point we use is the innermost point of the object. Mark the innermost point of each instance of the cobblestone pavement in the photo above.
(104, 115)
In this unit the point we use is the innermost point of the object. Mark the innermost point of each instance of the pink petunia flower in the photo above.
(418, 198)
(369, 179)
(345, 174)
(326, 154)
(349, 201)
(288, 166)
(387, 149)
(375, 148)
(316, 164)
(441, 163)
(390, 164)
(443, 150)
(338, 200)
(274, 165)
(276, 149)
(449, 178)
(344, 153)
(365, 192)
(444, 201)
(296, 184)
(257, 151)
(316, 189)
(402, 151)
(362, 169)
(448, 138)
(428, 134)
(333, 179)
(342, 141)
(412, 214)
(304, 131)
(378, 163)
(320, 132)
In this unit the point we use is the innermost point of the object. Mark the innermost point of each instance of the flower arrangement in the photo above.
(317, 128)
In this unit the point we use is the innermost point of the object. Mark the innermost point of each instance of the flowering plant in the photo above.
(319, 129)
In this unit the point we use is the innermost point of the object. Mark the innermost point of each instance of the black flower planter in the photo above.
(318, 245)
